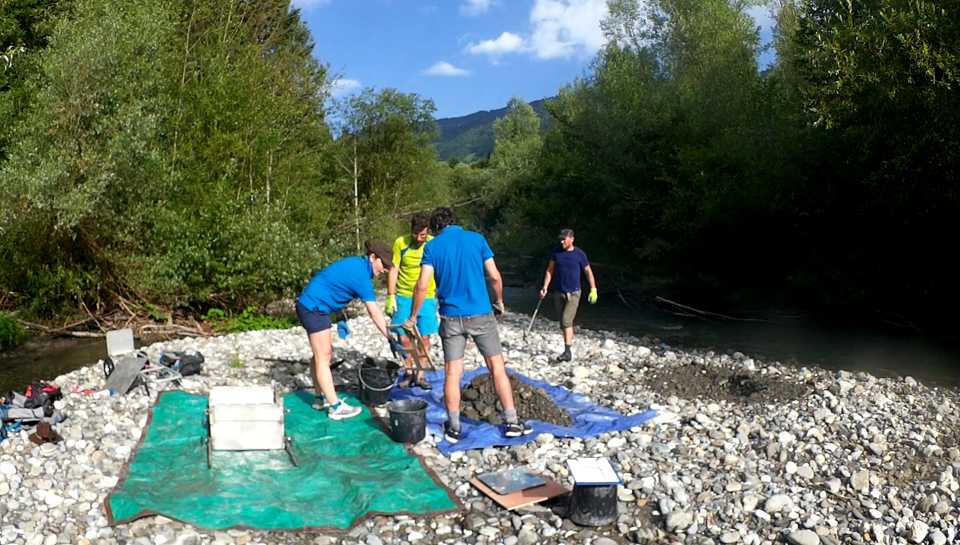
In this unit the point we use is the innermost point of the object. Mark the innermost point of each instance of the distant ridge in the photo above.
(470, 137)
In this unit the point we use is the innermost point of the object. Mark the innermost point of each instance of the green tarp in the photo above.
(347, 470)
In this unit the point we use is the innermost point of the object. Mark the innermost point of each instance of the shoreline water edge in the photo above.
(743, 451)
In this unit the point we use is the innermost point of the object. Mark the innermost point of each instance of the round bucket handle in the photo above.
(392, 407)
(371, 388)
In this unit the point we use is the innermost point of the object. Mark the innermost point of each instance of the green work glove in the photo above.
(391, 306)
(592, 298)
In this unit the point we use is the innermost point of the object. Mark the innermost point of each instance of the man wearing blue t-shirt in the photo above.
(563, 278)
(328, 292)
(459, 260)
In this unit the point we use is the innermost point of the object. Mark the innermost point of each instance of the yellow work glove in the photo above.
(391, 305)
(592, 298)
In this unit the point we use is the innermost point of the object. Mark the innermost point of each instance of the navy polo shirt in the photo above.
(566, 272)
(457, 258)
(339, 283)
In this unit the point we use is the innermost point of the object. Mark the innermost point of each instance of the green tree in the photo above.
(880, 80)
(25, 27)
(516, 140)
(87, 151)
(385, 138)
(175, 152)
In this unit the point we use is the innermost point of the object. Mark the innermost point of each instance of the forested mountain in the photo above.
(470, 137)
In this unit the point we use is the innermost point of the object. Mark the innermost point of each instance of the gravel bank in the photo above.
(744, 451)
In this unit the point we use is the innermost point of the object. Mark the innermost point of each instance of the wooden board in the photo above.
(521, 498)
(421, 356)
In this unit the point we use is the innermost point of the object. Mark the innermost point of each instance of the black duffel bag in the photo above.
(185, 363)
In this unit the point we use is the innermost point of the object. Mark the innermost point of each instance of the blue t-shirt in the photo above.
(457, 257)
(566, 273)
(339, 283)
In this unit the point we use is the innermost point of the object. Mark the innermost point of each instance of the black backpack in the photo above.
(185, 363)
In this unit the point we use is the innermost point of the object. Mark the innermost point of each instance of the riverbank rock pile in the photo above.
(743, 451)
(480, 402)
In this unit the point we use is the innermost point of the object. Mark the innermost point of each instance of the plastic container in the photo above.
(408, 420)
(593, 505)
(376, 381)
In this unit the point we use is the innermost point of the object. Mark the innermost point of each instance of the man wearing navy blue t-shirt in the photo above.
(562, 277)
(461, 261)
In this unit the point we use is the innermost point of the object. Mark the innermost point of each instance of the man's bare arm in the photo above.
(392, 276)
(493, 275)
(590, 279)
(547, 276)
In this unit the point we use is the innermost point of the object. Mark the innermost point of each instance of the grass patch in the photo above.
(237, 362)
(248, 320)
(11, 334)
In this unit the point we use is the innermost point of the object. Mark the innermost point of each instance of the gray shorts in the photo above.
(455, 329)
(567, 305)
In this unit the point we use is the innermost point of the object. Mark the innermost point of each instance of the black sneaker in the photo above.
(566, 356)
(449, 433)
(516, 429)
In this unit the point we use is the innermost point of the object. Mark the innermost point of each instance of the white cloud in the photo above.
(564, 28)
(308, 4)
(475, 7)
(507, 42)
(559, 29)
(443, 68)
(342, 87)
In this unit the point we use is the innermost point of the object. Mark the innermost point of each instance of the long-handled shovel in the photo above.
(532, 319)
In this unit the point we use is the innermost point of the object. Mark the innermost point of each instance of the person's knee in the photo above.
(495, 363)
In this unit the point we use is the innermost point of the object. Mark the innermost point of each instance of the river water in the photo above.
(887, 353)
(881, 352)
(47, 359)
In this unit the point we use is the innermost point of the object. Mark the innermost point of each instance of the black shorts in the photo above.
(314, 321)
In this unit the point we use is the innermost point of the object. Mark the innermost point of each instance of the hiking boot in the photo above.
(451, 434)
(516, 429)
(566, 356)
(341, 411)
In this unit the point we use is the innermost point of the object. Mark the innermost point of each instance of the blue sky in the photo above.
(466, 55)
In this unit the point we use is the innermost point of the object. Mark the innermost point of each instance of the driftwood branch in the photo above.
(92, 317)
(706, 312)
(64, 331)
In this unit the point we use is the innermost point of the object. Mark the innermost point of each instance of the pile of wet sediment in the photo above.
(480, 402)
(720, 384)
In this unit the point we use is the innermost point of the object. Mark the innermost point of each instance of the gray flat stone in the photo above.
(804, 537)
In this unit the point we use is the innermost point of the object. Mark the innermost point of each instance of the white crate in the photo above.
(241, 395)
(119, 342)
(245, 418)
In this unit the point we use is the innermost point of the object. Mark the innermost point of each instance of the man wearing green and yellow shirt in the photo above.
(401, 281)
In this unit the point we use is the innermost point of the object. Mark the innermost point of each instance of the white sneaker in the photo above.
(342, 411)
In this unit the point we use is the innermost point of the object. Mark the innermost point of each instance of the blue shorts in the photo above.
(427, 321)
(313, 321)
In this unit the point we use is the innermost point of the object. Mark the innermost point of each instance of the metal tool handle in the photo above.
(534, 317)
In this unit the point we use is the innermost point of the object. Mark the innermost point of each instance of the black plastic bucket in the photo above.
(408, 420)
(376, 381)
(593, 505)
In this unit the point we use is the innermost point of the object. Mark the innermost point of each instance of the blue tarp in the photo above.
(590, 419)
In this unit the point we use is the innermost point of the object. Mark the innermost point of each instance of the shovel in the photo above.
(532, 319)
